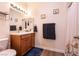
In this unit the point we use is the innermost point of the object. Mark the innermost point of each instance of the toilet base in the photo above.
(8, 52)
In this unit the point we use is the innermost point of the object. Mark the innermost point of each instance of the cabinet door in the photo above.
(15, 43)
(26, 44)
(33, 40)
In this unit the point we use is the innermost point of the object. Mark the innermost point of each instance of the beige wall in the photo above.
(59, 19)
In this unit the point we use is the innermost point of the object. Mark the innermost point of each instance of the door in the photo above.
(72, 30)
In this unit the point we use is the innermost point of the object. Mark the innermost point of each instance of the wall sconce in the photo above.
(18, 8)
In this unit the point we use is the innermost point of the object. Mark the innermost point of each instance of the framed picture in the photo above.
(55, 11)
(43, 16)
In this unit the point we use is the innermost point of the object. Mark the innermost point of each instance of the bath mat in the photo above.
(34, 52)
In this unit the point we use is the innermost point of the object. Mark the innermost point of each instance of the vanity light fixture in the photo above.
(18, 8)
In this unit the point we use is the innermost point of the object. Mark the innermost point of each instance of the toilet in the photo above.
(3, 48)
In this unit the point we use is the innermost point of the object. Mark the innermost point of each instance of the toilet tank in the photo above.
(3, 43)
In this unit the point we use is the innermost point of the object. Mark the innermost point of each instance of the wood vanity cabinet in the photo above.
(22, 43)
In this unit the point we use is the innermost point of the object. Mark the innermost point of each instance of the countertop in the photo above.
(20, 33)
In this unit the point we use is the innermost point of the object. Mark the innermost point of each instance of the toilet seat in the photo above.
(8, 52)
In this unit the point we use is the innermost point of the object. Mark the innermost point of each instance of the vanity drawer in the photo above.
(26, 36)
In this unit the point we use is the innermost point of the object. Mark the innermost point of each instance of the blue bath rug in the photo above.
(34, 52)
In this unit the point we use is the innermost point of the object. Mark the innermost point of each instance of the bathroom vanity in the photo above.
(22, 42)
(21, 29)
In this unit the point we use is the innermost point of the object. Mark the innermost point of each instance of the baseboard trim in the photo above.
(57, 50)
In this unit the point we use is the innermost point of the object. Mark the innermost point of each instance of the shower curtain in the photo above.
(72, 48)
(71, 45)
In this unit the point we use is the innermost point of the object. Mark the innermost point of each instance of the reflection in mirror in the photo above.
(25, 25)
(22, 22)
(28, 24)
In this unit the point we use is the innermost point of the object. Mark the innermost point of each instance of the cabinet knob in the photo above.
(76, 37)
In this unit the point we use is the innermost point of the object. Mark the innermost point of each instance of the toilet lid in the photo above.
(8, 52)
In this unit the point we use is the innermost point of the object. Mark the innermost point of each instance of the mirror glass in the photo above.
(21, 22)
